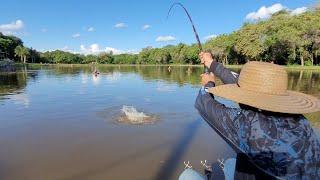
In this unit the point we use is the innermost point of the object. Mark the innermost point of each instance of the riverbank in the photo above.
(293, 67)
(7, 65)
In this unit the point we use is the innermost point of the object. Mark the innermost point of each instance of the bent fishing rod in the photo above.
(193, 27)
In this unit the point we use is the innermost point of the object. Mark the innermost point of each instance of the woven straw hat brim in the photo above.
(292, 103)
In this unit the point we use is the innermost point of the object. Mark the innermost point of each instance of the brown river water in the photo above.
(62, 122)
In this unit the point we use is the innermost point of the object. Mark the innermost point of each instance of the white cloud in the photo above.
(118, 51)
(64, 48)
(76, 35)
(67, 49)
(90, 29)
(146, 26)
(44, 30)
(113, 50)
(265, 12)
(95, 49)
(12, 27)
(211, 36)
(298, 11)
(120, 25)
(92, 49)
(133, 51)
(165, 38)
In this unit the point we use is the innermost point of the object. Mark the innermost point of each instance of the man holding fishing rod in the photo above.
(272, 138)
(269, 133)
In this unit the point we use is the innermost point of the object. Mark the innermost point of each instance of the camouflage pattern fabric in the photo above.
(282, 145)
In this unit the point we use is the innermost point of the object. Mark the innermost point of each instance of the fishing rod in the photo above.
(193, 27)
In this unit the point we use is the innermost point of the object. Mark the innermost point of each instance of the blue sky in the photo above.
(94, 26)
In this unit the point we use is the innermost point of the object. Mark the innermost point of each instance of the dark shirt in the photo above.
(282, 145)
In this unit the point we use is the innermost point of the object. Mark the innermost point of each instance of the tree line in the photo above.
(283, 39)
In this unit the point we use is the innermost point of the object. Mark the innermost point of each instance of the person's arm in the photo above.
(221, 118)
(226, 76)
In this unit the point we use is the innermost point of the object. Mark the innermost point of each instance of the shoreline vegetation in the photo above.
(284, 38)
(232, 66)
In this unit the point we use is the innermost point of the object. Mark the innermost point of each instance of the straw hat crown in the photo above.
(264, 86)
(264, 77)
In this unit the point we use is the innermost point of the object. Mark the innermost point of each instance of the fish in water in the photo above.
(131, 115)
(128, 115)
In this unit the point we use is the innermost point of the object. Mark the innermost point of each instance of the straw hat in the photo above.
(264, 86)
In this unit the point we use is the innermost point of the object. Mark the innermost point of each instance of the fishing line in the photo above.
(193, 27)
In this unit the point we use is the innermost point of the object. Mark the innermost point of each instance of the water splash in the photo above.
(132, 116)
(132, 113)
(128, 115)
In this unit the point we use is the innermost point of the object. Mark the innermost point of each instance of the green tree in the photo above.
(161, 56)
(22, 52)
(144, 56)
(8, 45)
(34, 55)
(105, 58)
(125, 59)
(250, 41)
(177, 53)
(222, 46)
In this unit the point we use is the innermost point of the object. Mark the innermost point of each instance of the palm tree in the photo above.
(22, 52)
(26, 53)
(19, 52)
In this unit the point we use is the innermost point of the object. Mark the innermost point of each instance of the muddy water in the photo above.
(61, 122)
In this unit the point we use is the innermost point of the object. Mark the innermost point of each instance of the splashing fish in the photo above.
(131, 115)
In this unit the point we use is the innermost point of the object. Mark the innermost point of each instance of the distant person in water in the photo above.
(169, 68)
(96, 73)
(189, 71)
(269, 132)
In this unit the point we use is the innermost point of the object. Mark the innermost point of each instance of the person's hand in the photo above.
(205, 78)
(206, 58)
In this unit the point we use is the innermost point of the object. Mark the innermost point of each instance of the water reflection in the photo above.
(20, 98)
(12, 85)
(84, 78)
(113, 77)
(307, 81)
(12, 82)
(163, 87)
(96, 79)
